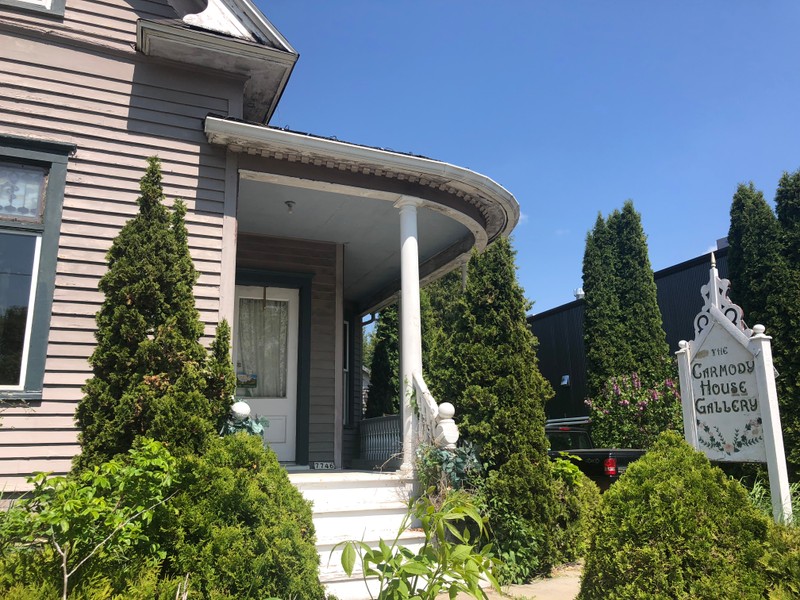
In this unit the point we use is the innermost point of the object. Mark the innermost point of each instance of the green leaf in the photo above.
(348, 558)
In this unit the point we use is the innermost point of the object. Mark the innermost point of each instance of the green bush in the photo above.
(578, 502)
(242, 530)
(673, 526)
(89, 530)
(782, 562)
(631, 413)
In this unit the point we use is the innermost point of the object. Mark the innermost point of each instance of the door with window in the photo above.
(265, 358)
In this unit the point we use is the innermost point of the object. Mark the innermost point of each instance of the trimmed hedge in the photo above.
(242, 531)
(577, 505)
(675, 527)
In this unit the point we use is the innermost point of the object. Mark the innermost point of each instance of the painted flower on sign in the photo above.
(711, 437)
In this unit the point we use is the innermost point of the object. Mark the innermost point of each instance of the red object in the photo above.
(610, 467)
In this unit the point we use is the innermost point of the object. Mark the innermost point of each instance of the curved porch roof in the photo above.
(345, 194)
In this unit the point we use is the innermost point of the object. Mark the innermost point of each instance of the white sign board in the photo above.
(726, 404)
(730, 406)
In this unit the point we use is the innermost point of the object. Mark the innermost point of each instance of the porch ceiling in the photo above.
(369, 229)
(345, 193)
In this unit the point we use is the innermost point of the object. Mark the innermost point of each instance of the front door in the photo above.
(265, 357)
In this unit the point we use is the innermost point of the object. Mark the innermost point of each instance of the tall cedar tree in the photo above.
(485, 363)
(383, 397)
(638, 299)
(764, 262)
(604, 330)
(151, 375)
(787, 340)
(623, 330)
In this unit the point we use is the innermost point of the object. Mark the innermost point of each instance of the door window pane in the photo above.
(21, 191)
(17, 255)
(262, 348)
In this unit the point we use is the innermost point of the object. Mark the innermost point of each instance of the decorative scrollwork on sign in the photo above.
(715, 293)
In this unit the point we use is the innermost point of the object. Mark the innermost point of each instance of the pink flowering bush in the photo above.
(628, 413)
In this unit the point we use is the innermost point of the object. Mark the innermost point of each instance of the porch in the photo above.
(326, 233)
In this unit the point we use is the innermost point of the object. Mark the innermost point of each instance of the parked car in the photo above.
(602, 465)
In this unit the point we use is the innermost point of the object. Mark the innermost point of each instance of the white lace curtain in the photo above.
(262, 347)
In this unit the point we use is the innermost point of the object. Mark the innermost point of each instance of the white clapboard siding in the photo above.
(79, 80)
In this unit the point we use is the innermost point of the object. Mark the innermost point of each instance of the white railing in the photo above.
(381, 439)
(436, 424)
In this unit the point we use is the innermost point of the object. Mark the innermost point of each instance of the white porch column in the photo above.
(410, 323)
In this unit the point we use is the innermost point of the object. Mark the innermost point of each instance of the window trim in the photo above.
(55, 8)
(53, 155)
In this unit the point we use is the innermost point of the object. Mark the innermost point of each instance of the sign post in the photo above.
(730, 403)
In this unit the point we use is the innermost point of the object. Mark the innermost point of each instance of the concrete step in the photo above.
(355, 505)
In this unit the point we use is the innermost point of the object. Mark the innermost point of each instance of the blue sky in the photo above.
(572, 105)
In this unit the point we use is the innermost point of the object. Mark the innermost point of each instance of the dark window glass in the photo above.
(16, 274)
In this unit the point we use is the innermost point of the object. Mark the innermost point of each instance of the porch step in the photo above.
(355, 505)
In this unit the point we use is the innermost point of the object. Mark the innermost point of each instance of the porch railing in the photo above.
(381, 440)
(436, 424)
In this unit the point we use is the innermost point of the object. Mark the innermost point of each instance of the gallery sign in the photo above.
(730, 404)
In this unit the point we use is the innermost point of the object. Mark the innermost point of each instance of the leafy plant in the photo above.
(448, 562)
(674, 526)
(578, 501)
(448, 469)
(91, 522)
(630, 413)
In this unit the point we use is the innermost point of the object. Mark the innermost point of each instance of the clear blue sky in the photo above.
(573, 106)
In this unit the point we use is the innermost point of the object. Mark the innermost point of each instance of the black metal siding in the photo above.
(560, 330)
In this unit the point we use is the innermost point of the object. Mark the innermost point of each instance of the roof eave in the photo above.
(239, 135)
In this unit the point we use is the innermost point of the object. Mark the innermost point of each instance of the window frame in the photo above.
(55, 8)
(54, 156)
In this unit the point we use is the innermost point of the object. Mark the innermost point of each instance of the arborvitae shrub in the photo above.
(242, 530)
(149, 367)
(484, 362)
(674, 526)
(577, 505)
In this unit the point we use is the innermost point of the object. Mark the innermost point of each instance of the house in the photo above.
(562, 358)
(296, 237)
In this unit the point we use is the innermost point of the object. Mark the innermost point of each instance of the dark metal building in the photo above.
(562, 359)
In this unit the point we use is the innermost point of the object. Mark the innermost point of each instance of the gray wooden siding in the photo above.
(118, 108)
(110, 23)
(319, 259)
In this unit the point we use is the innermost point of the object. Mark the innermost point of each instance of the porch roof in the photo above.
(345, 193)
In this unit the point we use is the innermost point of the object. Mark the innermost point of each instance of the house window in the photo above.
(52, 7)
(32, 177)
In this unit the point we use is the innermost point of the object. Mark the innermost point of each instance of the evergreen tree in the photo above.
(604, 332)
(787, 205)
(383, 397)
(623, 331)
(755, 250)
(764, 263)
(486, 365)
(638, 302)
(149, 367)
(786, 338)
